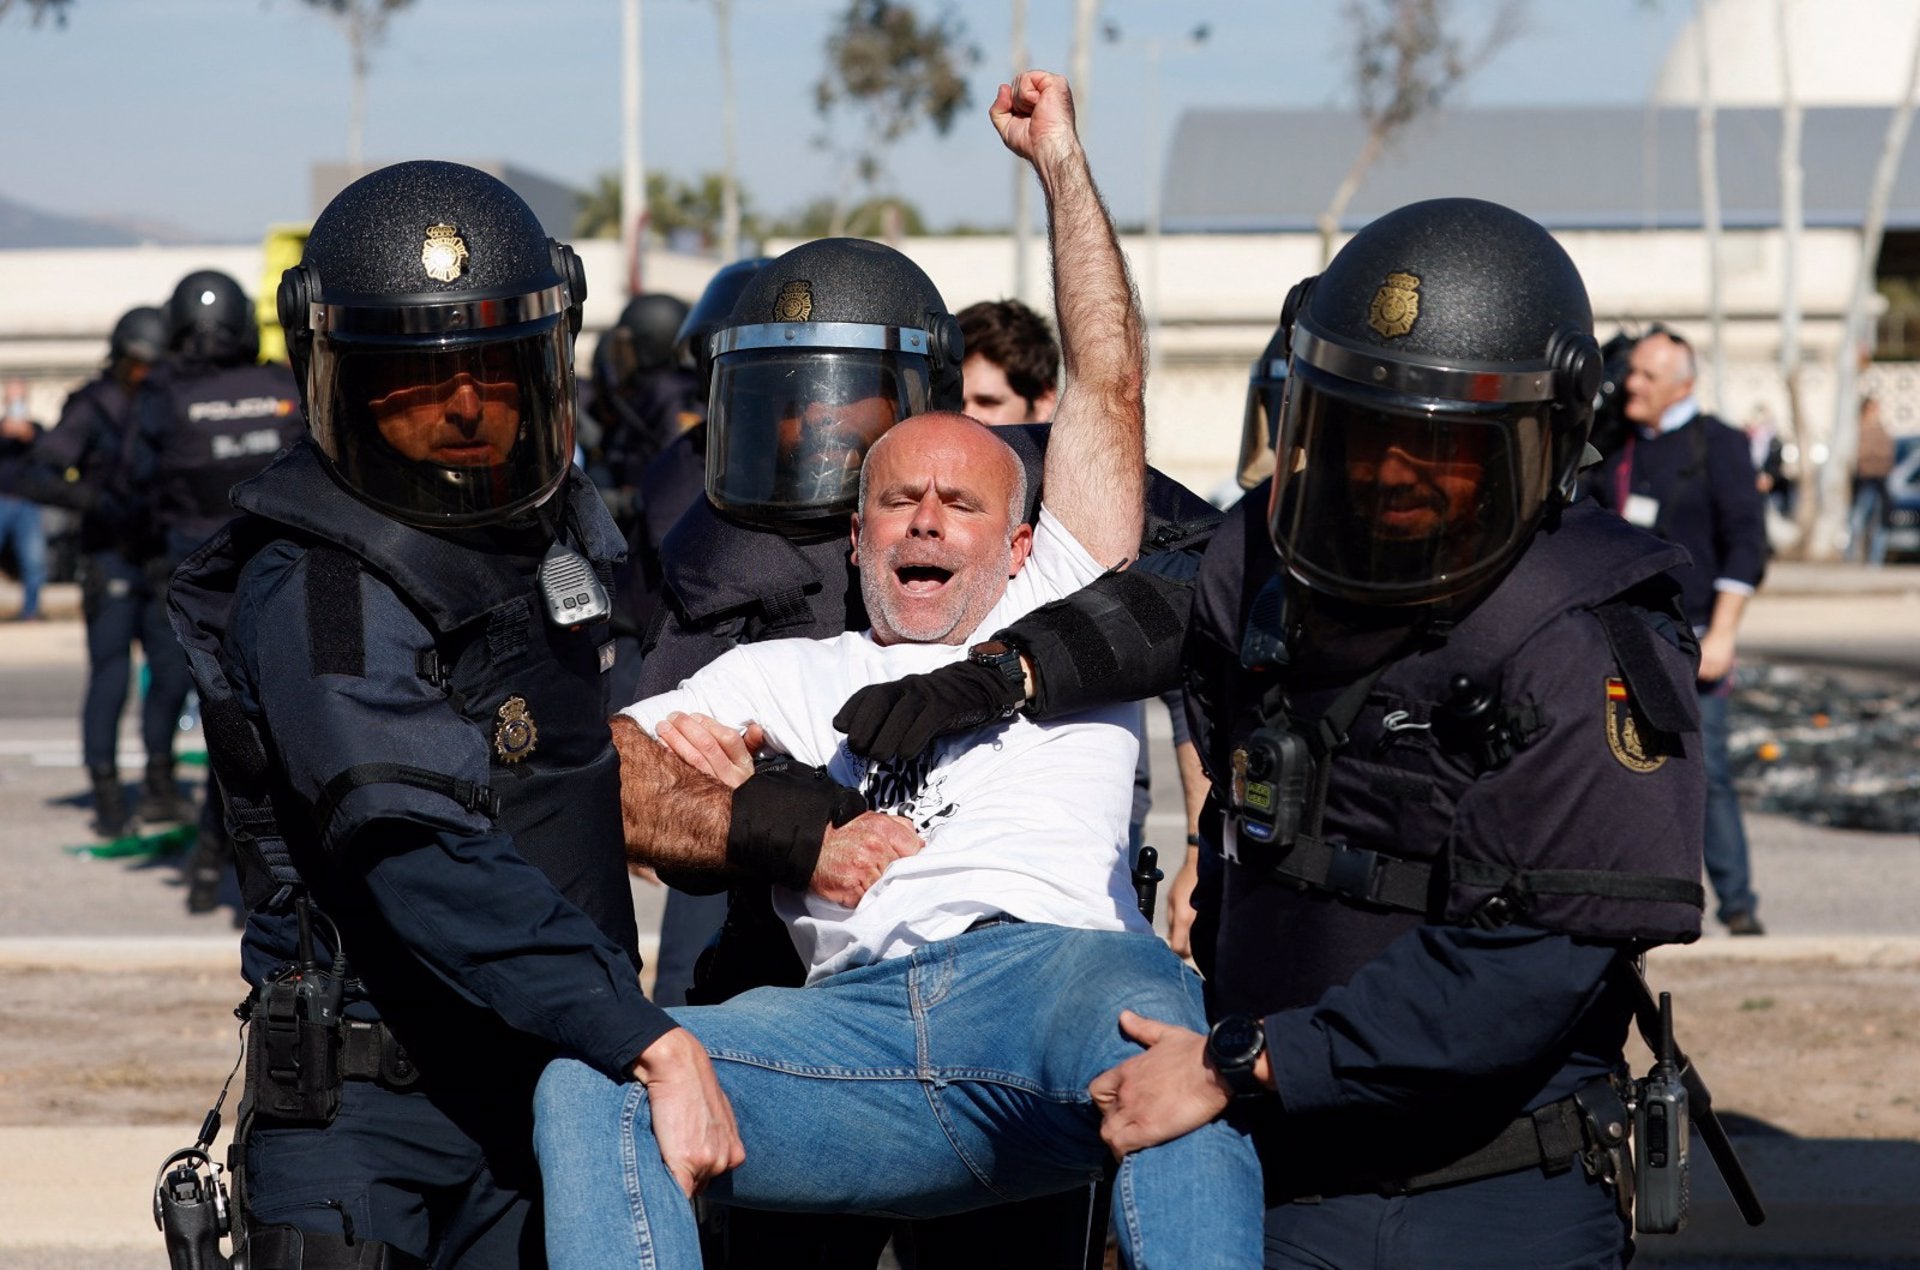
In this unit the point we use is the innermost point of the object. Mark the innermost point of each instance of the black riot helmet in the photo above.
(827, 348)
(692, 345)
(430, 323)
(210, 319)
(1440, 388)
(139, 336)
(1266, 389)
(642, 341)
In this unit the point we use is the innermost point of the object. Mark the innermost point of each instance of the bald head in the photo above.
(1659, 373)
(939, 429)
(939, 531)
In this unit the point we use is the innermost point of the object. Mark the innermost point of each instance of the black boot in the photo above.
(204, 871)
(109, 803)
(160, 800)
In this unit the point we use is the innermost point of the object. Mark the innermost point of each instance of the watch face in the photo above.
(1236, 1040)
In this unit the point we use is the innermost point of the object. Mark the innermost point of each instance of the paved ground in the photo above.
(91, 949)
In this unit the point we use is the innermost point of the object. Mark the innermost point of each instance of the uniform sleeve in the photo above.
(452, 888)
(1442, 1008)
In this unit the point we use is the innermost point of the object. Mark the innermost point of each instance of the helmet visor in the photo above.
(788, 429)
(1384, 499)
(450, 434)
(1258, 429)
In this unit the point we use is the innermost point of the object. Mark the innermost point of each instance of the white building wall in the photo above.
(1213, 299)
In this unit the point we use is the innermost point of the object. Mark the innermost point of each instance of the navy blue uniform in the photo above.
(394, 677)
(84, 465)
(1432, 989)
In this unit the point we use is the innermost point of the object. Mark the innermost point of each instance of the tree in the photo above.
(890, 70)
(364, 23)
(672, 205)
(884, 217)
(1405, 65)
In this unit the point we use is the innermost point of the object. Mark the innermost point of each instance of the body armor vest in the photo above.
(560, 800)
(222, 426)
(1394, 785)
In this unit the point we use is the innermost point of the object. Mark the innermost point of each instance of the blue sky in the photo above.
(207, 113)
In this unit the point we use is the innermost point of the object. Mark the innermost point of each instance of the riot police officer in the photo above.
(209, 416)
(401, 647)
(642, 398)
(1454, 759)
(83, 465)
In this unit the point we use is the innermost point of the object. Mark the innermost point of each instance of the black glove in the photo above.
(780, 814)
(897, 720)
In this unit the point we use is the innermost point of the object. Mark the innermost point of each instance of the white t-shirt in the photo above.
(1021, 818)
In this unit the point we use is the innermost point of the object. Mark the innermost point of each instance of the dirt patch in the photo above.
(1811, 1048)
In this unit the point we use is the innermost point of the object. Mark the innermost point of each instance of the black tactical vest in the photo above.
(222, 426)
(561, 799)
(1395, 784)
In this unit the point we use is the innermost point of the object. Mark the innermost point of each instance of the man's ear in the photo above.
(1040, 409)
(1022, 544)
(853, 537)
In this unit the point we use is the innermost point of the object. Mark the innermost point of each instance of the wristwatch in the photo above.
(1234, 1045)
(1003, 659)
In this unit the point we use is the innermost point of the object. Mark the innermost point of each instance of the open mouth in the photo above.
(921, 579)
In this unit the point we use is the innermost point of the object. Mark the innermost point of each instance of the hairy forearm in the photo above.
(1095, 476)
(1728, 607)
(673, 816)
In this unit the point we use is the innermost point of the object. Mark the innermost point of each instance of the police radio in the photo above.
(1272, 774)
(1660, 1133)
(571, 590)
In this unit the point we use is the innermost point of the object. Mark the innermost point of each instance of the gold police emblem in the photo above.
(516, 734)
(794, 303)
(443, 255)
(1396, 305)
(1638, 749)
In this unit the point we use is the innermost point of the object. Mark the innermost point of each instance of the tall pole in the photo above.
(1022, 180)
(1080, 58)
(1837, 475)
(1153, 204)
(1792, 222)
(633, 179)
(730, 159)
(1710, 214)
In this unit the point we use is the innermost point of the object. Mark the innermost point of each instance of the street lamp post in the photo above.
(1155, 46)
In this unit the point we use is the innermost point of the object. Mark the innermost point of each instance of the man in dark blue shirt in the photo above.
(1689, 478)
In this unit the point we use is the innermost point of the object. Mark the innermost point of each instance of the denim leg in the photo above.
(610, 1200)
(1192, 1202)
(1725, 838)
(29, 551)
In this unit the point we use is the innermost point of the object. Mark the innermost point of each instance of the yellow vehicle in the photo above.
(282, 249)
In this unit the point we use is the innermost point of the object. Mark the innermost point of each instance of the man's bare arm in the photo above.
(678, 819)
(1095, 475)
(673, 817)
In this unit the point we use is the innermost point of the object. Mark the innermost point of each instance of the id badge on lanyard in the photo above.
(1635, 509)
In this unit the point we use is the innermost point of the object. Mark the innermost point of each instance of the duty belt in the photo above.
(1370, 877)
(368, 1051)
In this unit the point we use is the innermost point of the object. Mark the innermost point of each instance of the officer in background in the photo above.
(1455, 763)
(672, 482)
(401, 647)
(83, 464)
(641, 399)
(210, 415)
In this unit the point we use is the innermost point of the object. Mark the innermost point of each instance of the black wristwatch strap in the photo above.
(1003, 659)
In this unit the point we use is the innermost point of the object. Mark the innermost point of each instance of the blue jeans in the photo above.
(20, 525)
(1726, 838)
(946, 1080)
